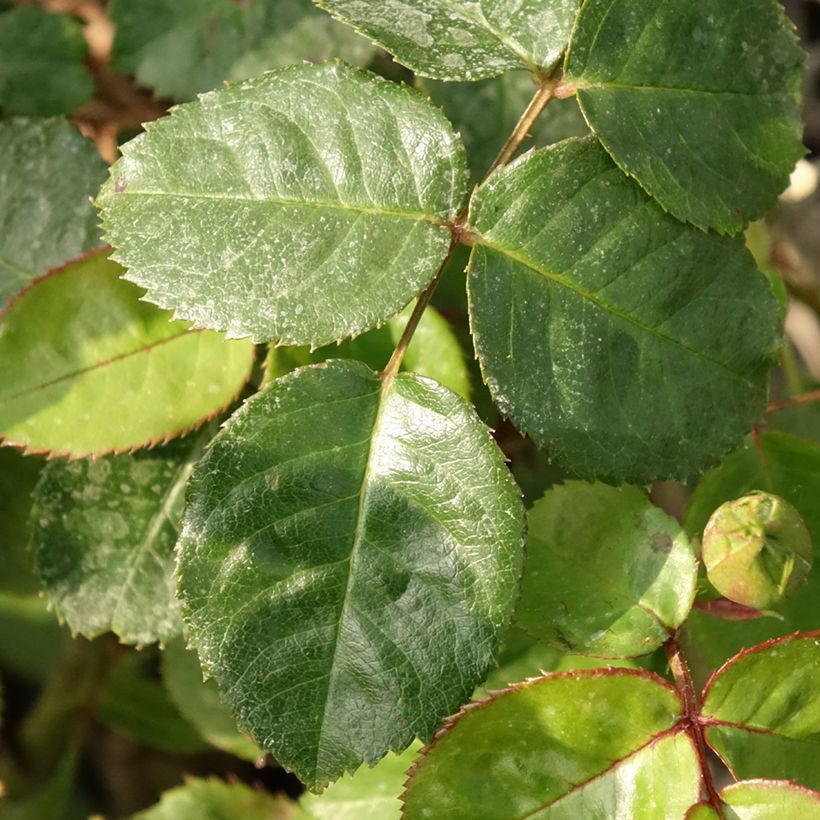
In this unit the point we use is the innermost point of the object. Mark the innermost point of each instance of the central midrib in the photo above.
(607, 307)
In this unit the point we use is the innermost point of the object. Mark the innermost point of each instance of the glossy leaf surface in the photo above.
(762, 711)
(700, 102)
(180, 48)
(42, 63)
(769, 800)
(597, 317)
(464, 41)
(48, 172)
(199, 703)
(104, 533)
(594, 744)
(89, 368)
(790, 467)
(606, 573)
(434, 351)
(304, 206)
(350, 554)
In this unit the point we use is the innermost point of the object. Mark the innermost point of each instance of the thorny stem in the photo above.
(547, 90)
(691, 706)
(794, 401)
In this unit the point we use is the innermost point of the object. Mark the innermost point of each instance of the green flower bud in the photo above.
(757, 550)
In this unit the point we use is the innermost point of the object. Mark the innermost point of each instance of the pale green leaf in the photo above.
(369, 794)
(215, 800)
(89, 368)
(182, 47)
(42, 63)
(762, 712)
(304, 206)
(606, 573)
(199, 703)
(464, 41)
(104, 533)
(486, 112)
(597, 318)
(350, 554)
(600, 744)
(434, 351)
(700, 102)
(769, 800)
(48, 172)
(782, 464)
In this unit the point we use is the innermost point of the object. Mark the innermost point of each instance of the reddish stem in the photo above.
(691, 707)
(794, 401)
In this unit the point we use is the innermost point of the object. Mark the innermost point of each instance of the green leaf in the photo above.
(486, 112)
(434, 351)
(199, 703)
(272, 208)
(789, 467)
(597, 318)
(104, 533)
(594, 744)
(350, 554)
(180, 48)
(42, 63)
(606, 573)
(89, 368)
(369, 794)
(18, 475)
(134, 704)
(769, 800)
(464, 41)
(700, 102)
(762, 714)
(31, 640)
(48, 172)
(215, 800)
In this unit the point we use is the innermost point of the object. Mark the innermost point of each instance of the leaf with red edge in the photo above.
(761, 710)
(770, 800)
(579, 744)
(89, 369)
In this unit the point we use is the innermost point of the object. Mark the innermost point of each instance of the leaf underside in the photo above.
(597, 317)
(350, 554)
(302, 207)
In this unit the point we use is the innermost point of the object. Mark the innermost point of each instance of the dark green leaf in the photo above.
(700, 102)
(350, 554)
(597, 318)
(180, 48)
(606, 572)
(486, 112)
(89, 368)
(434, 351)
(48, 172)
(199, 703)
(30, 637)
(762, 712)
(464, 41)
(272, 208)
(42, 63)
(569, 746)
(104, 533)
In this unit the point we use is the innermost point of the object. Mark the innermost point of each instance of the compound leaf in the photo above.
(577, 744)
(42, 63)
(762, 714)
(104, 533)
(606, 573)
(180, 48)
(350, 555)
(88, 368)
(597, 317)
(464, 41)
(272, 208)
(712, 130)
(48, 172)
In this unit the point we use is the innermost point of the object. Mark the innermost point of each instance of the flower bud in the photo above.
(757, 550)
